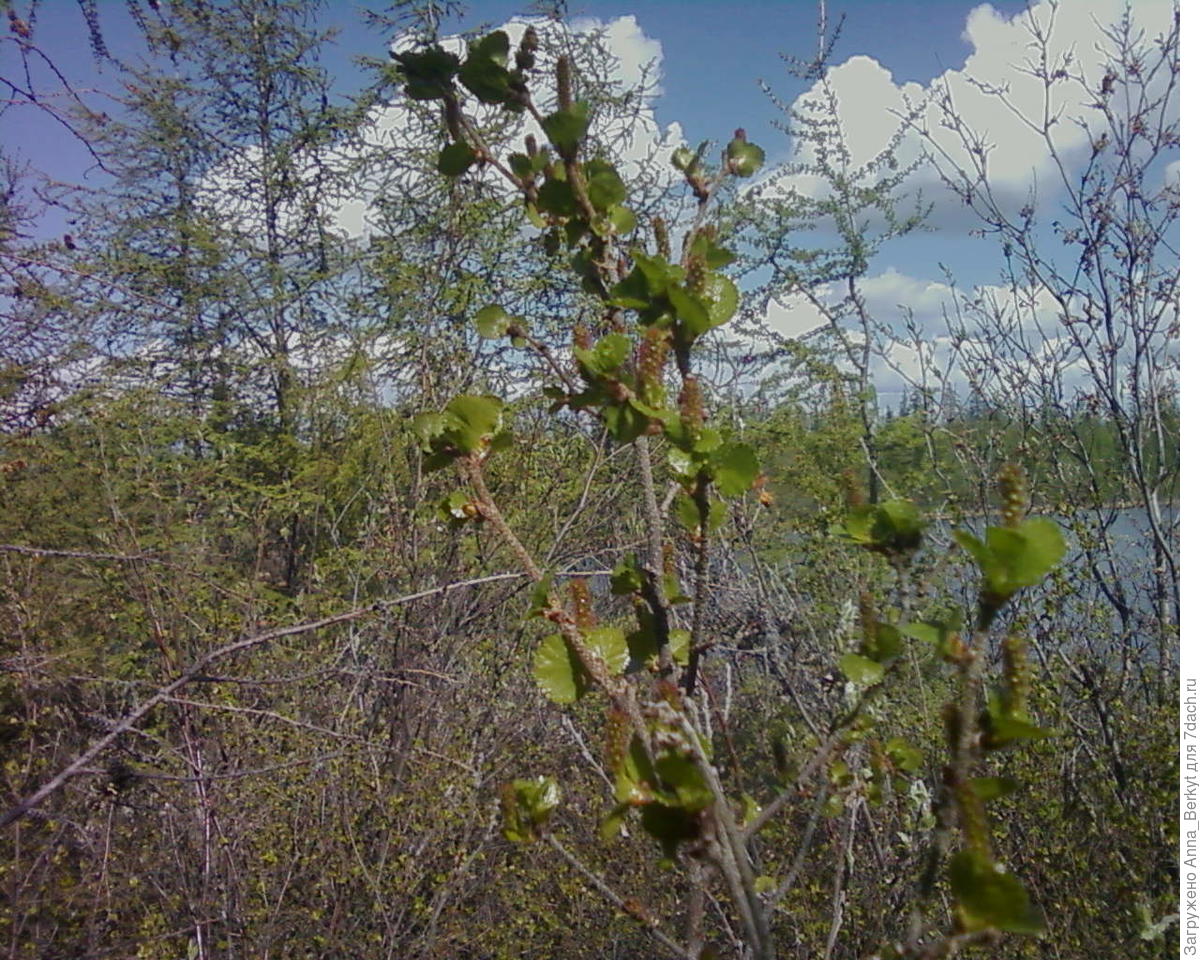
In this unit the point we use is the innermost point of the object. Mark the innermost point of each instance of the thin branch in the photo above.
(626, 905)
(200, 667)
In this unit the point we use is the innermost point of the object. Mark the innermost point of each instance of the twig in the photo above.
(200, 667)
(629, 906)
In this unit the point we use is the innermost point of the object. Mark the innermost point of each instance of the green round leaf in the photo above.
(622, 219)
(605, 189)
(1029, 552)
(428, 74)
(492, 322)
(744, 158)
(681, 159)
(691, 312)
(680, 642)
(735, 468)
(427, 426)
(455, 159)
(520, 165)
(526, 805)
(566, 128)
(722, 296)
(860, 670)
(558, 672)
(471, 419)
(988, 896)
(492, 47)
(485, 71)
(556, 197)
(609, 644)
(907, 757)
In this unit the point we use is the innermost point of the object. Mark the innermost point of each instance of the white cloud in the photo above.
(638, 56)
(930, 334)
(795, 315)
(993, 93)
(891, 299)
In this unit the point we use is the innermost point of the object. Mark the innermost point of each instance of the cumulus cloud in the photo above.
(994, 93)
(892, 298)
(930, 335)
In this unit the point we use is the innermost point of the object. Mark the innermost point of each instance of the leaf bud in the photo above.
(562, 80)
(851, 488)
(1014, 492)
(697, 275)
(972, 820)
(952, 721)
(651, 358)
(581, 604)
(868, 616)
(668, 692)
(527, 49)
(582, 337)
(691, 409)
(1016, 673)
(661, 239)
(618, 733)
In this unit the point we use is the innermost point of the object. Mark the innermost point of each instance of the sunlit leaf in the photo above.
(527, 805)
(558, 671)
(492, 322)
(485, 71)
(556, 197)
(735, 468)
(605, 189)
(622, 219)
(860, 670)
(539, 596)
(744, 158)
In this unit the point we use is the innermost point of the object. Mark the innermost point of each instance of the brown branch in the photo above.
(77, 554)
(199, 668)
(626, 905)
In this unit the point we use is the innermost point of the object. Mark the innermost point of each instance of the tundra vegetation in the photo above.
(493, 583)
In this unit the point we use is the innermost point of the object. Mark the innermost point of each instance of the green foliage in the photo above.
(455, 159)
(484, 73)
(561, 675)
(428, 74)
(1012, 558)
(989, 897)
(744, 159)
(566, 130)
(470, 424)
(527, 806)
(892, 528)
(861, 670)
